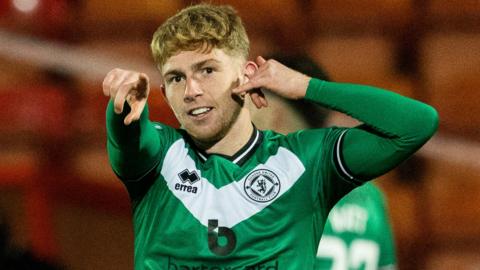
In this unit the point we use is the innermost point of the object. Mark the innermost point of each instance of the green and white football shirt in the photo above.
(357, 234)
(251, 211)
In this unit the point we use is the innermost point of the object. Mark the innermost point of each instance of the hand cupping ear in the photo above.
(275, 77)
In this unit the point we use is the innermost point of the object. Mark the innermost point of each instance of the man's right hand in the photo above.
(126, 85)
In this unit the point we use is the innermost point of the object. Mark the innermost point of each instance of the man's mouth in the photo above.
(199, 111)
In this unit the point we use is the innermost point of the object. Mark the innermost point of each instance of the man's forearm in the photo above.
(394, 126)
(132, 149)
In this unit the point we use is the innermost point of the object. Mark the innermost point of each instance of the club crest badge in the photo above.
(262, 185)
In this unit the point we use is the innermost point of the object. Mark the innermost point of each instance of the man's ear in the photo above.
(250, 69)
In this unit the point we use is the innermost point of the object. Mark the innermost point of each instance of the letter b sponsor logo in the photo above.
(215, 233)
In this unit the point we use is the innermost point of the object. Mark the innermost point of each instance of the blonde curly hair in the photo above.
(200, 27)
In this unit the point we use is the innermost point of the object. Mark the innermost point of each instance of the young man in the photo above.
(357, 233)
(220, 194)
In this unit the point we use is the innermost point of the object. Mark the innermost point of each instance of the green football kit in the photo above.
(265, 206)
(357, 234)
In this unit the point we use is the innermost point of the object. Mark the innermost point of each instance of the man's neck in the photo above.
(238, 135)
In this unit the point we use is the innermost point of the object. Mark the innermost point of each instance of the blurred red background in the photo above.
(62, 199)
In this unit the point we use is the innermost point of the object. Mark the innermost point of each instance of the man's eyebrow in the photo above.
(194, 66)
(174, 72)
(198, 65)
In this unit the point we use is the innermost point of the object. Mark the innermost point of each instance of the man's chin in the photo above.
(203, 138)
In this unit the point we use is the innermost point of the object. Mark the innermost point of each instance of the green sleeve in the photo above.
(132, 150)
(394, 126)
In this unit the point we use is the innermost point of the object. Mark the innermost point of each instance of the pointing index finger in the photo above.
(121, 96)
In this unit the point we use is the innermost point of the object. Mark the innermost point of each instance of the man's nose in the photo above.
(192, 90)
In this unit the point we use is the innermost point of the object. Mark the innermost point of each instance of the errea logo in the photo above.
(188, 179)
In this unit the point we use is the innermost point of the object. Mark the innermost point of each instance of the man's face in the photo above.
(198, 88)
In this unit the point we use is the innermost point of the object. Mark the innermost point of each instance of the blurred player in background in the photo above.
(357, 234)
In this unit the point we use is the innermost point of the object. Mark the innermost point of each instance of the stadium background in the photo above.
(60, 197)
